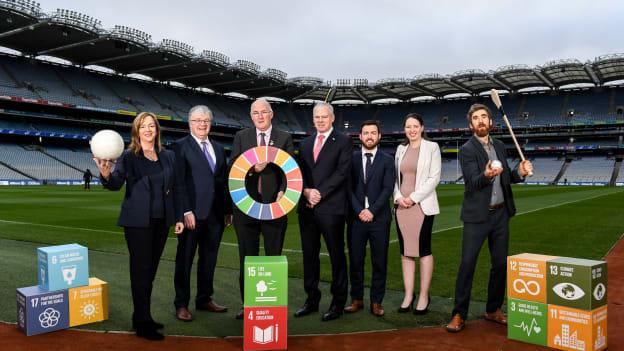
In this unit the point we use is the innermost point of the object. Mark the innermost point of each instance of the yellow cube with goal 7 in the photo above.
(88, 304)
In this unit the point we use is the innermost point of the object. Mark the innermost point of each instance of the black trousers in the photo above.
(331, 227)
(358, 235)
(248, 231)
(496, 230)
(205, 240)
(145, 246)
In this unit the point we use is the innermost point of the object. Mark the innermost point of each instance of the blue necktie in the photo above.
(208, 157)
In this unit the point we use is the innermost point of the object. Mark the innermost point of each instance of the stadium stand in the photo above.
(9, 174)
(589, 169)
(450, 170)
(546, 169)
(36, 164)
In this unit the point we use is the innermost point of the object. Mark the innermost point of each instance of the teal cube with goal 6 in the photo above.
(62, 267)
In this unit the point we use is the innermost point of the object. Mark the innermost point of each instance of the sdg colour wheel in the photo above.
(253, 208)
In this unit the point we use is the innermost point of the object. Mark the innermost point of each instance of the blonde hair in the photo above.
(135, 142)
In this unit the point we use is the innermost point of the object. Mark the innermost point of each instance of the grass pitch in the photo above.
(566, 221)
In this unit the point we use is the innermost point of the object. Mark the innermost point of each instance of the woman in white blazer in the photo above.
(417, 162)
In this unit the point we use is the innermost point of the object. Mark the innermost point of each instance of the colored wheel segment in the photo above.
(253, 208)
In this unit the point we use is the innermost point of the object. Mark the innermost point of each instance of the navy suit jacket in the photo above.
(201, 190)
(136, 208)
(380, 185)
(478, 188)
(330, 174)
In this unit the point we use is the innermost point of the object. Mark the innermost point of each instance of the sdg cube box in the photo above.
(527, 321)
(266, 281)
(577, 283)
(88, 304)
(40, 311)
(526, 277)
(577, 330)
(62, 267)
(265, 328)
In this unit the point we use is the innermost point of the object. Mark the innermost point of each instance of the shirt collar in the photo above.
(199, 141)
(326, 134)
(267, 132)
(373, 151)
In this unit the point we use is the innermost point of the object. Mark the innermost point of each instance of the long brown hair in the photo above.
(419, 118)
(135, 142)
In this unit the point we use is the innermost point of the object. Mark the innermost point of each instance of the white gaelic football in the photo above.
(497, 164)
(107, 145)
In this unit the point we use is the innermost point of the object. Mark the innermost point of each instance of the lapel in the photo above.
(199, 153)
(275, 138)
(420, 165)
(376, 160)
(358, 165)
(331, 139)
(480, 150)
(167, 167)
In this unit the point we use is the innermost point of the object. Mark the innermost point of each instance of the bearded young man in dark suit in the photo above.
(372, 184)
(202, 186)
(488, 205)
(325, 161)
(266, 183)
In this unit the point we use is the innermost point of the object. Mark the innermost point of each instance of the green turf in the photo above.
(568, 221)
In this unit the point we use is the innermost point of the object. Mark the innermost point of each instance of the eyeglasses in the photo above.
(201, 121)
(264, 113)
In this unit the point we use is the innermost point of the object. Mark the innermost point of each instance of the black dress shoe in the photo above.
(146, 331)
(240, 314)
(409, 307)
(333, 313)
(422, 312)
(306, 309)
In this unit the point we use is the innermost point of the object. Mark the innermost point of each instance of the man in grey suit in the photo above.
(266, 183)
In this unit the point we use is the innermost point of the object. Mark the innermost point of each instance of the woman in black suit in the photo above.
(147, 212)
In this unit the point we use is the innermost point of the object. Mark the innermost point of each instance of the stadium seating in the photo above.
(545, 169)
(450, 170)
(36, 164)
(9, 174)
(589, 169)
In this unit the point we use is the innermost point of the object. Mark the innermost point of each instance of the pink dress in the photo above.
(410, 220)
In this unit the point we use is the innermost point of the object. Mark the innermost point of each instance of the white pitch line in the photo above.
(113, 232)
(293, 250)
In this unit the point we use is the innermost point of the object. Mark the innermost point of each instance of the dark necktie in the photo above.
(368, 166)
(211, 162)
(262, 143)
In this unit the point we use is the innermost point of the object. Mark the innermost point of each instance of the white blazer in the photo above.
(427, 176)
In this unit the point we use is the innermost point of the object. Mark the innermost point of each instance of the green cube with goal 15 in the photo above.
(266, 281)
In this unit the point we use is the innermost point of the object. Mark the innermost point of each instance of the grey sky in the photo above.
(374, 39)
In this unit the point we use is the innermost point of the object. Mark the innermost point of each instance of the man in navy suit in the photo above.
(372, 183)
(488, 205)
(266, 183)
(202, 194)
(325, 162)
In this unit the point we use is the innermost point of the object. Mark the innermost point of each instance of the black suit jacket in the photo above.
(199, 189)
(478, 188)
(273, 179)
(136, 208)
(329, 175)
(380, 185)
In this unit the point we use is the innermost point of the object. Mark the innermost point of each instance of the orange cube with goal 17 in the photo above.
(526, 277)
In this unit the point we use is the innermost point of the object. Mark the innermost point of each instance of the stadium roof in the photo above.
(82, 40)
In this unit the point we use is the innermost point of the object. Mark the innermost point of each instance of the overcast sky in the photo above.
(374, 39)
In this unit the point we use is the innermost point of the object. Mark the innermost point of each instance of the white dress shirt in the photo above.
(267, 135)
(364, 152)
(326, 135)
